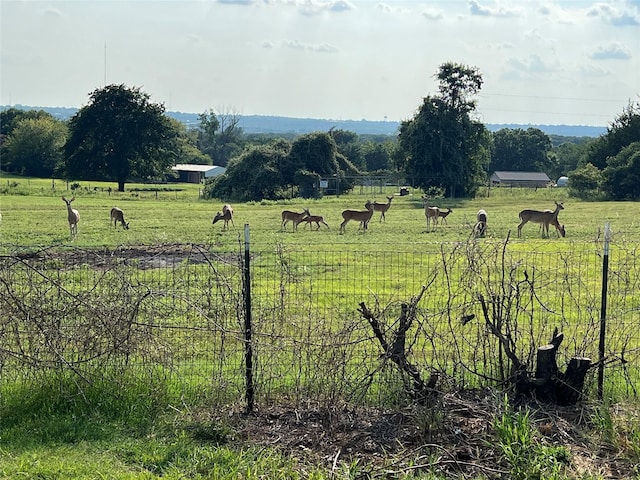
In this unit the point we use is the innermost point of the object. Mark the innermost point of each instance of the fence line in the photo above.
(177, 312)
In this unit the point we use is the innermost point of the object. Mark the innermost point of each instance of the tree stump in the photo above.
(549, 384)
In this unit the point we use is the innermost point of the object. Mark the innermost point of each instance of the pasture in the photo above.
(34, 214)
(312, 347)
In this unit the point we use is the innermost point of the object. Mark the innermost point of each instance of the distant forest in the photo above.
(289, 125)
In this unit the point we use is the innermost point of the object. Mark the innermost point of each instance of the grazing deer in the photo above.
(117, 215)
(480, 228)
(226, 215)
(294, 217)
(362, 216)
(317, 219)
(382, 208)
(431, 213)
(544, 217)
(443, 214)
(560, 231)
(73, 216)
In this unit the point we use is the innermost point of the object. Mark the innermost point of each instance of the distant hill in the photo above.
(290, 125)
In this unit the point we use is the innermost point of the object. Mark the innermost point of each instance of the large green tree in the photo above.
(522, 151)
(35, 146)
(443, 146)
(220, 135)
(120, 135)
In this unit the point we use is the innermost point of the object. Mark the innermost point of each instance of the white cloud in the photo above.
(611, 51)
(477, 9)
(617, 17)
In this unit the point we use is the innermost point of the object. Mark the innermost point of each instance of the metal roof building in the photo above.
(193, 173)
(520, 179)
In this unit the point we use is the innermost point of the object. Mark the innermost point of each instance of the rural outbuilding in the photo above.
(520, 179)
(193, 173)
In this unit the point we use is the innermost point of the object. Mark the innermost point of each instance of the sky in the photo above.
(542, 62)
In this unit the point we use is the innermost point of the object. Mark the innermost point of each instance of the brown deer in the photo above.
(294, 217)
(117, 215)
(362, 216)
(317, 219)
(443, 214)
(382, 208)
(226, 215)
(545, 217)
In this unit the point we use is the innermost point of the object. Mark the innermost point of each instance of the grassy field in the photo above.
(146, 432)
(34, 214)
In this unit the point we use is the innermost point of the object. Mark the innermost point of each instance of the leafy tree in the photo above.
(221, 137)
(522, 151)
(586, 181)
(283, 170)
(622, 174)
(254, 175)
(443, 146)
(120, 135)
(187, 149)
(10, 118)
(377, 156)
(349, 145)
(623, 131)
(35, 146)
(568, 156)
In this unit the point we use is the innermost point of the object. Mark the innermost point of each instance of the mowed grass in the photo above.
(36, 215)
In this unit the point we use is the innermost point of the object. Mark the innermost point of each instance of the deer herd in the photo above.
(433, 215)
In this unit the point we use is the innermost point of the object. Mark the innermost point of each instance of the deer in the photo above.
(362, 216)
(382, 208)
(431, 213)
(443, 214)
(480, 228)
(544, 217)
(317, 219)
(560, 230)
(226, 215)
(294, 217)
(73, 216)
(117, 215)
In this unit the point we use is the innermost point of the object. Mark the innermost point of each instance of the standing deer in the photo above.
(443, 214)
(480, 228)
(362, 216)
(544, 217)
(294, 217)
(431, 213)
(317, 219)
(73, 216)
(226, 215)
(560, 231)
(382, 208)
(117, 215)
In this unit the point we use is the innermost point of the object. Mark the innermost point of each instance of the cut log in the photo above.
(571, 382)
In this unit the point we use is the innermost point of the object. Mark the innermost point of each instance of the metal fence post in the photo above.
(248, 349)
(603, 311)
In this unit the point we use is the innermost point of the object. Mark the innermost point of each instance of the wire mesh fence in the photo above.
(176, 313)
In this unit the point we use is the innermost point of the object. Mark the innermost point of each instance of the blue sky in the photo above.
(543, 62)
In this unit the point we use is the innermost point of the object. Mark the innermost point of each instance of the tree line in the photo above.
(122, 136)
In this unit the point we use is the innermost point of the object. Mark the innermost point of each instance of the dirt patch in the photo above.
(453, 436)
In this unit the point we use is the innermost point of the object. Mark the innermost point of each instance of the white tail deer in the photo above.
(382, 208)
(560, 231)
(294, 217)
(443, 214)
(362, 216)
(431, 214)
(480, 228)
(73, 216)
(544, 217)
(317, 219)
(117, 215)
(226, 215)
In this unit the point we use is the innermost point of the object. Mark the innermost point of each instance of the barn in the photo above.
(193, 173)
(520, 179)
